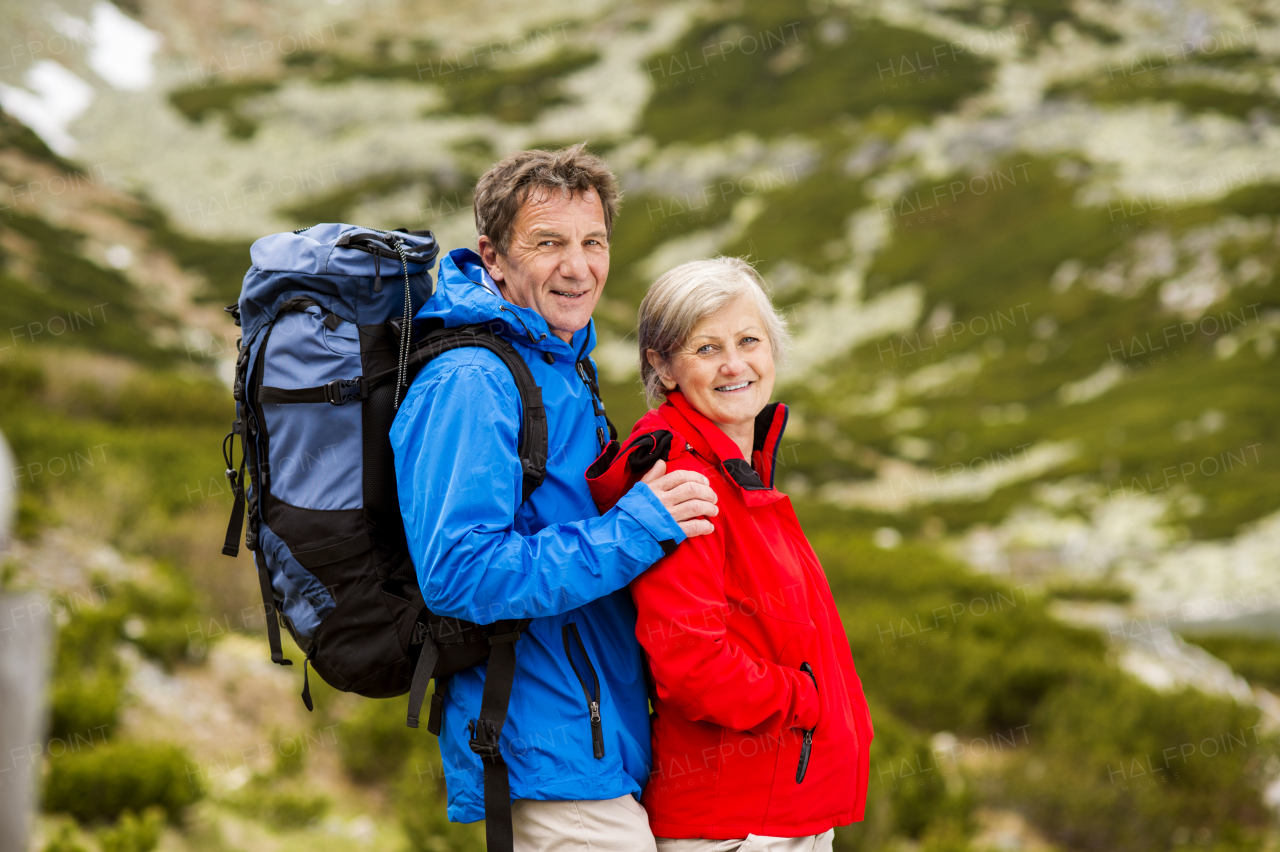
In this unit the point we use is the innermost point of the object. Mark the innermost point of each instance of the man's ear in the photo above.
(664, 371)
(489, 257)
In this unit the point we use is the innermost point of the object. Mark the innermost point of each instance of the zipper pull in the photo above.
(597, 730)
(805, 748)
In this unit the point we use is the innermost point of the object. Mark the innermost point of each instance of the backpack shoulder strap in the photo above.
(532, 446)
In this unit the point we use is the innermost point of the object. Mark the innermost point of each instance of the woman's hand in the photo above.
(687, 495)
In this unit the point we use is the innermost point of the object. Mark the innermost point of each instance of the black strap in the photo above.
(336, 392)
(231, 544)
(588, 372)
(532, 447)
(353, 546)
(306, 682)
(436, 718)
(421, 677)
(486, 732)
(269, 611)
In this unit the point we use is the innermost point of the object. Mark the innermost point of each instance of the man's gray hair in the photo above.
(504, 188)
(688, 294)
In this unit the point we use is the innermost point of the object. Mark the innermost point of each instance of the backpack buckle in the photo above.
(484, 739)
(342, 391)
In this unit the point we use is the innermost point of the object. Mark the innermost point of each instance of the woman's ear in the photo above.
(663, 369)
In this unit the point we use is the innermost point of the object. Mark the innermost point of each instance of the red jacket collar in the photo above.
(709, 441)
(675, 429)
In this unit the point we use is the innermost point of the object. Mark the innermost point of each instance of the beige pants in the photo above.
(609, 825)
(751, 843)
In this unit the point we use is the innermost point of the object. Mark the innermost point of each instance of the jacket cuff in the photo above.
(643, 505)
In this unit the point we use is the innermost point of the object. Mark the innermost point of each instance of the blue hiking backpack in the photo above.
(327, 349)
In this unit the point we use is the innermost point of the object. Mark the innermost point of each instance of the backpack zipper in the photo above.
(593, 698)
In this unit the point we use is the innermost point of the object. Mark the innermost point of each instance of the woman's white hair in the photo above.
(688, 294)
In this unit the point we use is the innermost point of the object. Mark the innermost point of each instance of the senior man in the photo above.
(576, 737)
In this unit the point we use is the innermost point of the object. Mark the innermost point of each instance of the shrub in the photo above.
(944, 648)
(65, 839)
(133, 834)
(88, 678)
(1256, 658)
(910, 791)
(280, 809)
(375, 740)
(1118, 766)
(104, 782)
(420, 803)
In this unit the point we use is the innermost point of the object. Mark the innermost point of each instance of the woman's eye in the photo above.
(705, 349)
(747, 341)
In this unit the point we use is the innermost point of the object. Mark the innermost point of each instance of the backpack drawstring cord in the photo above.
(403, 371)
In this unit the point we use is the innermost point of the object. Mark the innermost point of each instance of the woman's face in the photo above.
(725, 368)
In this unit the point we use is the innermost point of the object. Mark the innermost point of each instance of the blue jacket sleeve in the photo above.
(459, 479)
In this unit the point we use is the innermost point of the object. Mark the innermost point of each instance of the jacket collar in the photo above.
(466, 295)
(754, 477)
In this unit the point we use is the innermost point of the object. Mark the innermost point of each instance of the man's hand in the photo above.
(687, 496)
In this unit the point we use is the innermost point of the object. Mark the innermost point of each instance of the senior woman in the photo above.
(760, 732)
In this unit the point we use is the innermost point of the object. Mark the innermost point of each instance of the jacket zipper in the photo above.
(593, 698)
(806, 747)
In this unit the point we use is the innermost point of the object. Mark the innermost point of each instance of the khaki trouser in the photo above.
(609, 825)
(751, 843)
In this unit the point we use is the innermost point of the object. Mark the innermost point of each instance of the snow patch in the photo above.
(122, 49)
(52, 99)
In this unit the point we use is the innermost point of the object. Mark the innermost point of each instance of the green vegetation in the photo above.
(1153, 78)
(104, 782)
(1119, 766)
(986, 260)
(1089, 591)
(88, 676)
(149, 438)
(16, 135)
(376, 742)
(802, 222)
(222, 262)
(774, 70)
(1096, 759)
(51, 293)
(198, 102)
(515, 95)
(282, 809)
(980, 698)
(133, 834)
(1255, 658)
(419, 800)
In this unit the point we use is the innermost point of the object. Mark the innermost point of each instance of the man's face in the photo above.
(558, 259)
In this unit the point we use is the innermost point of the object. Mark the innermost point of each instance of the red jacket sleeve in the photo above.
(682, 610)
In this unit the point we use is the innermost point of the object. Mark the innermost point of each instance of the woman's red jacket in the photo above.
(727, 620)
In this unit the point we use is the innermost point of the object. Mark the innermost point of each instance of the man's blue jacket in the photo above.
(482, 556)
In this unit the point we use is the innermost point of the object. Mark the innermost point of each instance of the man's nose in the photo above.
(573, 265)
